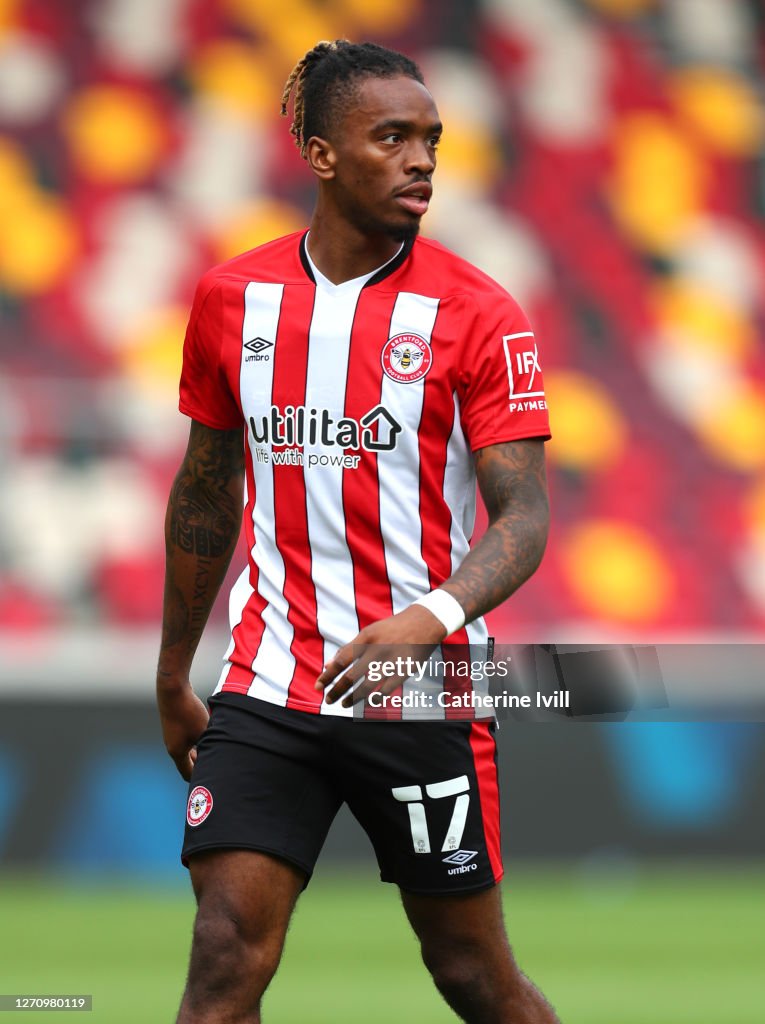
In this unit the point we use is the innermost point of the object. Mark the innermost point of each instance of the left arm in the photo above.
(512, 481)
(513, 485)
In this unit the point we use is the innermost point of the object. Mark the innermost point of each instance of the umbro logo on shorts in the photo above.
(461, 861)
(460, 857)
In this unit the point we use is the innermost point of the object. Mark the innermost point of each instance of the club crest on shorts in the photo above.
(199, 806)
(406, 358)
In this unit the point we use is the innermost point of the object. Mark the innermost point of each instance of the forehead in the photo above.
(390, 99)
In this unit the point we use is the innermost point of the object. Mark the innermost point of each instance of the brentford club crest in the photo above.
(406, 358)
(199, 806)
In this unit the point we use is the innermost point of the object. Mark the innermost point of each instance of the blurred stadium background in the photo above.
(605, 160)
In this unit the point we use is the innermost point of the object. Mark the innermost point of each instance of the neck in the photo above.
(343, 252)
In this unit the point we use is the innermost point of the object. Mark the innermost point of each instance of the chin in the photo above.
(404, 232)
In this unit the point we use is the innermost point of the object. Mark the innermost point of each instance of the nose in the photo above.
(421, 157)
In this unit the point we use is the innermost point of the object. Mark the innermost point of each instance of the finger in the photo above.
(392, 685)
(342, 660)
(359, 675)
(345, 683)
(360, 694)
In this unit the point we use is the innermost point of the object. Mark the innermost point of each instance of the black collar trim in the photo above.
(304, 258)
(382, 273)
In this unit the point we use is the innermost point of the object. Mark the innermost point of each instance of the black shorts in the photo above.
(272, 779)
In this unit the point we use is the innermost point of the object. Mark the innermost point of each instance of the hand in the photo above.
(412, 633)
(184, 718)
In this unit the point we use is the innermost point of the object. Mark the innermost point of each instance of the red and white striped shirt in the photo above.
(361, 404)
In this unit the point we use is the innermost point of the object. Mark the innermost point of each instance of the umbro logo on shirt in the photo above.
(258, 346)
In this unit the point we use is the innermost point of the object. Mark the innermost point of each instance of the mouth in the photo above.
(415, 198)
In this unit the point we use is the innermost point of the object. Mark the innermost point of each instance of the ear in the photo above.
(321, 157)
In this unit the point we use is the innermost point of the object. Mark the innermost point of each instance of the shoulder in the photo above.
(455, 276)
(277, 261)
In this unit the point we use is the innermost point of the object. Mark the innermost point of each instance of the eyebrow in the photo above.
(433, 129)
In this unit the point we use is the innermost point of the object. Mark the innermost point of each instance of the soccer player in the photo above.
(347, 385)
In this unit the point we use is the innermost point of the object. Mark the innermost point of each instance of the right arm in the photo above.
(202, 524)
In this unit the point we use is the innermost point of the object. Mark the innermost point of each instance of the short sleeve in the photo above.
(205, 394)
(501, 390)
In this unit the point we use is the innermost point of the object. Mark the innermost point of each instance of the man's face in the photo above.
(385, 152)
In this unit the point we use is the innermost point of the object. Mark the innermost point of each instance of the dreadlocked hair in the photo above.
(327, 74)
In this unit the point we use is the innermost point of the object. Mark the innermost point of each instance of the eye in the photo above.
(393, 137)
(434, 141)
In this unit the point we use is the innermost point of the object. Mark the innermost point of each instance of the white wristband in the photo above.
(446, 609)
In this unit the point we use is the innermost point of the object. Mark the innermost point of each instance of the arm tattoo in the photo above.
(203, 512)
(203, 519)
(512, 480)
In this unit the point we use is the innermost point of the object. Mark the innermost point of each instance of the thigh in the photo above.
(256, 890)
(459, 922)
(427, 796)
(245, 901)
(259, 783)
